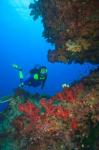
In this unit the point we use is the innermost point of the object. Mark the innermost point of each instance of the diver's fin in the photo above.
(21, 85)
(16, 67)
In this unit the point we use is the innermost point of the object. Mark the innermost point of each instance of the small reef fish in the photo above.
(64, 85)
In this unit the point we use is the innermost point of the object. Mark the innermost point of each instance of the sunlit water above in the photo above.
(22, 7)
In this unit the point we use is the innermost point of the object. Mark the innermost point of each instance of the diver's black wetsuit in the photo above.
(35, 78)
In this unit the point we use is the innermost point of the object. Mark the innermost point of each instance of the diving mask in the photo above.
(43, 71)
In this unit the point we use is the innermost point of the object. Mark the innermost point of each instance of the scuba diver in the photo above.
(37, 76)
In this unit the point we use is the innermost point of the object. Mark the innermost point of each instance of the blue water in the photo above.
(3, 106)
(21, 43)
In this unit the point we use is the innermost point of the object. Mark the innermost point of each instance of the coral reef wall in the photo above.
(67, 121)
(92, 81)
(73, 26)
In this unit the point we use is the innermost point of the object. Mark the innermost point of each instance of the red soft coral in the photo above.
(30, 110)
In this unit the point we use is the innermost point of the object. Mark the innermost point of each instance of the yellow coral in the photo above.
(78, 45)
(72, 46)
